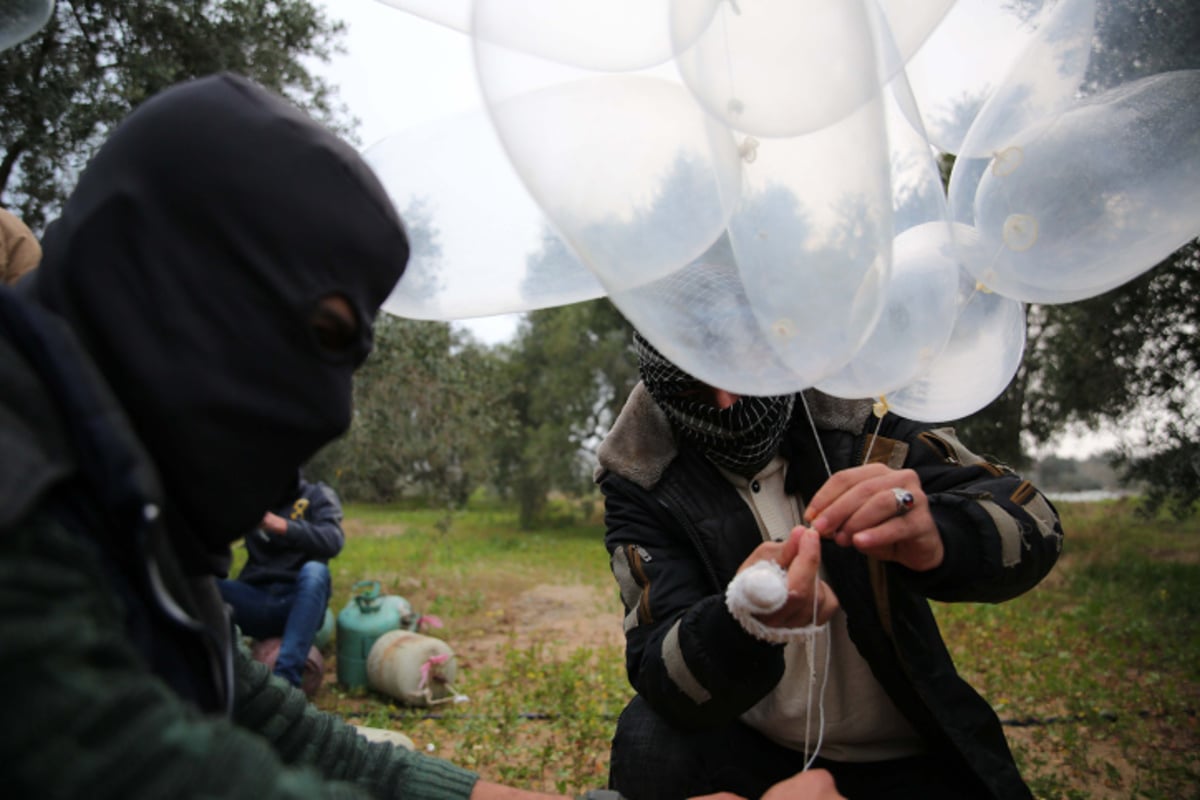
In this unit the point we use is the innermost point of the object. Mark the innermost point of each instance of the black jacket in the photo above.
(677, 532)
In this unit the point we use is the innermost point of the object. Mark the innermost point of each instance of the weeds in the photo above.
(1096, 672)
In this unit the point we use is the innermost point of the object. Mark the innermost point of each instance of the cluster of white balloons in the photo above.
(754, 183)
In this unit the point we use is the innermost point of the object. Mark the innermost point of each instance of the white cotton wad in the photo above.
(761, 589)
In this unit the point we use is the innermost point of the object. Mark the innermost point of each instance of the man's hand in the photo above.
(800, 558)
(858, 507)
(274, 524)
(815, 784)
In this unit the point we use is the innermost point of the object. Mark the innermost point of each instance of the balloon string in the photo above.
(810, 639)
(820, 705)
(816, 437)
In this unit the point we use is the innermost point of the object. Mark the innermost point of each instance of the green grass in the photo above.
(538, 716)
(1096, 672)
(409, 553)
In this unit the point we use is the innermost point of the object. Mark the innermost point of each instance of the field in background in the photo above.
(1096, 673)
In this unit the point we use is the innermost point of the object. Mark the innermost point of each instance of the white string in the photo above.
(820, 706)
(810, 647)
(761, 588)
(816, 437)
(810, 644)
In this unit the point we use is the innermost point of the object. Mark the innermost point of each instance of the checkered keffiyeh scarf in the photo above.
(742, 438)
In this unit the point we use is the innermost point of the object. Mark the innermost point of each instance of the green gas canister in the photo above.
(325, 632)
(365, 618)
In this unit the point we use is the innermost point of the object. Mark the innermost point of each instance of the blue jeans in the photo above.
(652, 760)
(293, 611)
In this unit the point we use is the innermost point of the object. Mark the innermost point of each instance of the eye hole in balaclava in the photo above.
(335, 326)
(742, 438)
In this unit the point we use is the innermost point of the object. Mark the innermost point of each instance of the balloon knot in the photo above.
(748, 149)
(1006, 161)
(1020, 232)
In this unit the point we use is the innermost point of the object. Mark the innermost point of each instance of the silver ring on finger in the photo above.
(904, 501)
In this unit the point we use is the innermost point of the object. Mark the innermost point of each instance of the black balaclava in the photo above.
(189, 261)
(742, 438)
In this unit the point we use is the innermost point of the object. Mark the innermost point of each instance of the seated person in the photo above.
(701, 484)
(284, 587)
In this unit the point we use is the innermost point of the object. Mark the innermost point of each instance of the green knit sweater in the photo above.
(83, 716)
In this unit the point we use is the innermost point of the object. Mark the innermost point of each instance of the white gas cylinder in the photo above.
(415, 669)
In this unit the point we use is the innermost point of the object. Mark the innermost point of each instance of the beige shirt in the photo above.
(861, 723)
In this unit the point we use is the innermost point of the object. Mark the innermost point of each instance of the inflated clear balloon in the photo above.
(1041, 82)
(812, 234)
(607, 35)
(909, 25)
(918, 194)
(776, 67)
(700, 318)
(920, 305)
(1044, 80)
(1089, 199)
(977, 364)
(20, 19)
(454, 14)
(628, 168)
(919, 301)
(964, 59)
(479, 243)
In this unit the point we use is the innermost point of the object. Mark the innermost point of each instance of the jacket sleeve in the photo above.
(319, 532)
(1000, 534)
(684, 652)
(90, 720)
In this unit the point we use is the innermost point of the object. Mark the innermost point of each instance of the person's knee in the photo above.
(314, 577)
(649, 756)
(240, 596)
(639, 729)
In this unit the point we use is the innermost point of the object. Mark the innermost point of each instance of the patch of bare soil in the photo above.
(1174, 555)
(560, 619)
(1107, 771)
(356, 527)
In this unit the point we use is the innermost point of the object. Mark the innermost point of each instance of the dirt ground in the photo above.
(561, 619)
